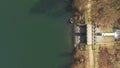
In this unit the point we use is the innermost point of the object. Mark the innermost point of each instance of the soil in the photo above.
(106, 15)
(79, 59)
(106, 57)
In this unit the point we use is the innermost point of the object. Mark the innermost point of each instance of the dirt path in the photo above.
(91, 58)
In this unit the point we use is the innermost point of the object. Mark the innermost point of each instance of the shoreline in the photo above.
(86, 55)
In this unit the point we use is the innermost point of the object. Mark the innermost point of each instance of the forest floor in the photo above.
(106, 15)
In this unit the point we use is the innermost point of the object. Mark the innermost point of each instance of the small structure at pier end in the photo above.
(115, 34)
(79, 35)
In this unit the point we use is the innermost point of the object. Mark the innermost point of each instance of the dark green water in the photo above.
(34, 34)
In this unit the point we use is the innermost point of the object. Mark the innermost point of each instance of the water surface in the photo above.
(34, 34)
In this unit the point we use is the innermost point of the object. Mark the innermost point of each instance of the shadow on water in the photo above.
(67, 54)
(66, 66)
(53, 8)
(70, 56)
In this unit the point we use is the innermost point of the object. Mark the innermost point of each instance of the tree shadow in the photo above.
(66, 65)
(67, 55)
(53, 8)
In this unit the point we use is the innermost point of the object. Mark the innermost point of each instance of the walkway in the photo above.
(90, 34)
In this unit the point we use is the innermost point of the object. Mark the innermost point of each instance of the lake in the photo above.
(34, 34)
